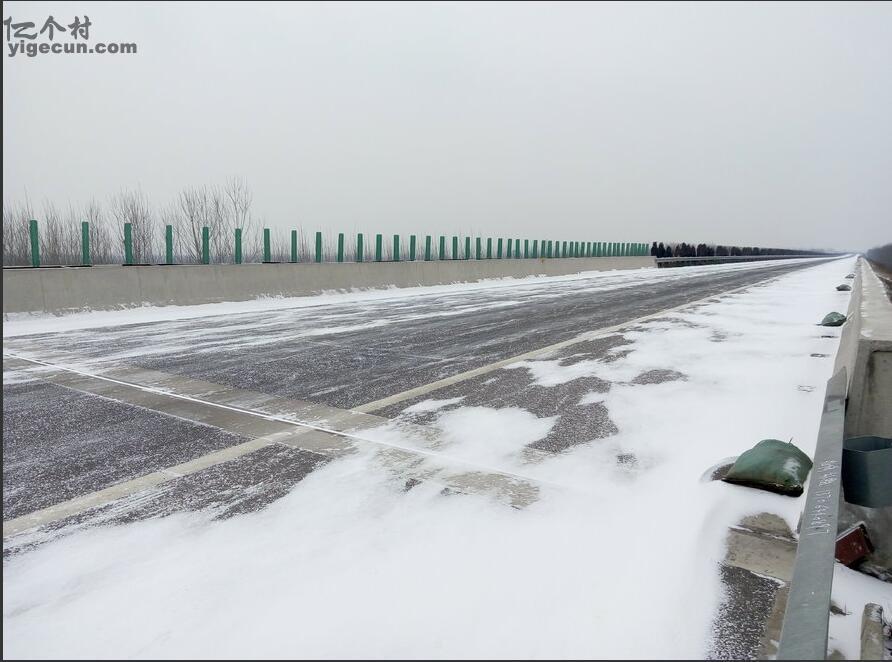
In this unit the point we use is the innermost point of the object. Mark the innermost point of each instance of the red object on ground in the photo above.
(853, 544)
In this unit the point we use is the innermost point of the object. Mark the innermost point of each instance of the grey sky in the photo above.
(755, 124)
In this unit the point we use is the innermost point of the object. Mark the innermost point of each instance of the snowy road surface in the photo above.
(334, 476)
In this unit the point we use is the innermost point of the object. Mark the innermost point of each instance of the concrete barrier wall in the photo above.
(865, 350)
(69, 289)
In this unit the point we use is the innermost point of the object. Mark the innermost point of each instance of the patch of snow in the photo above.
(851, 591)
(607, 563)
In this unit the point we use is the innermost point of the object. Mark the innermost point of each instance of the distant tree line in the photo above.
(684, 249)
(881, 255)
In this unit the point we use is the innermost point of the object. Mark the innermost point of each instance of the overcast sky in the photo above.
(751, 124)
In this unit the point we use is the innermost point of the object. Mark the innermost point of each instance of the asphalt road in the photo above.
(346, 355)
(62, 440)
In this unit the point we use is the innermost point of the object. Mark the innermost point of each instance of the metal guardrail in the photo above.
(806, 619)
(721, 259)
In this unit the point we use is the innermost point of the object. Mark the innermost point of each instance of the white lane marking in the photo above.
(101, 497)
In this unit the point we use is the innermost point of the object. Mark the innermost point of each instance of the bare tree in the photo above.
(16, 238)
(132, 206)
(102, 249)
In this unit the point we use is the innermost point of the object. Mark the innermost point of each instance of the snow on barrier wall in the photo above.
(67, 289)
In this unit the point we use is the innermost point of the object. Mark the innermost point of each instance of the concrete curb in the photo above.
(112, 287)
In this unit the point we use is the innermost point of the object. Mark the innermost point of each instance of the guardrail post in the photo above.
(267, 257)
(411, 248)
(442, 247)
(489, 248)
(509, 254)
(467, 248)
(205, 245)
(128, 243)
(379, 246)
(427, 248)
(340, 246)
(479, 248)
(359, 248)
(535, 248)
(85, 243)
(318, 247)
(499, 248)
(294, 256)
(396, 248)
(516, 248)
(168, 244)
(35, 243)
(454, 247)
(238, 245)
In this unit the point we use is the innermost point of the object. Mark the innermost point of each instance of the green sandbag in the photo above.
(833, 319)
(773, 465)
(844, 288)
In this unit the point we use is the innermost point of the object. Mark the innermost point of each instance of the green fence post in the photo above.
(379, 245)
(479, 248)
(35, 243)
(318, 247)
(205, 245)
(396, 248)
(238, 245)
(454, 247)
(411, 248)
(359, 249)
(168, 244)
(294, 256)
(467, 248)
(526, 248)
(267, 257)
(499, 248)
(340, 246)
(489, 248)
(427, 248)
(85, 243)
(516, 248)
(442, 247)
(128, 243)
(509, 254)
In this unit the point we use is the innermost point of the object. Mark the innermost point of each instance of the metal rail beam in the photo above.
(804, 630)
